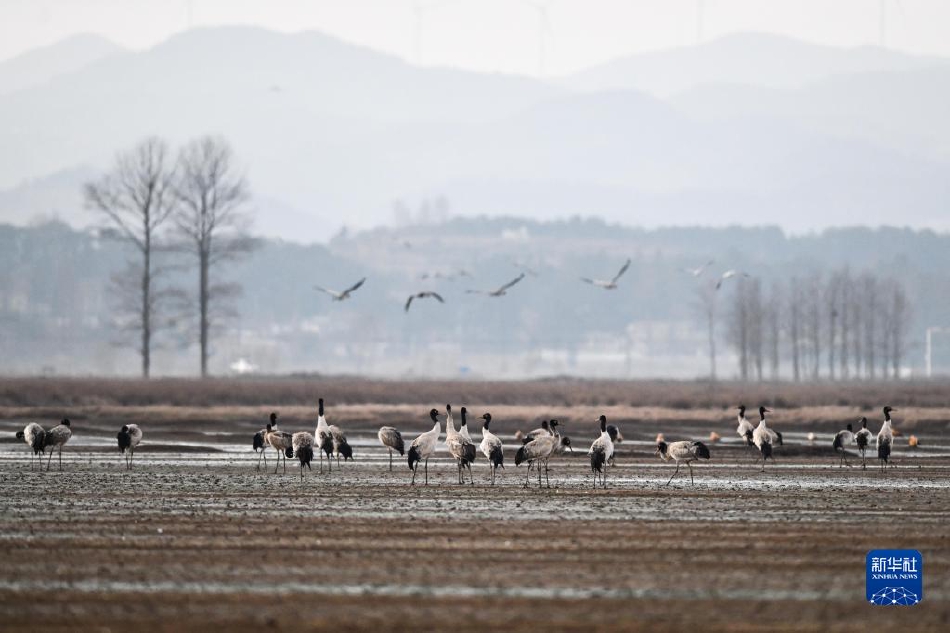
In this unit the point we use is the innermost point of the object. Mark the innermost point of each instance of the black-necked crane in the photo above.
(461, 449)
(257, 443)
(762, 437)
(57, 437)
(601, 450)
(341, 295)
(608, 284)
(491, 448)
(423, 447)
(463, 427)
(616, 437)
(302, 445)
(842, 440)
(696, 272)
(323, 437)
(684, 452)
(129, 436)
(535, 453)
(729, 274)
(423, 295)
(863, 439)
(524, 438)
(391, 438)
(341, 448)
(885, 438)
(35, 437)
(497, 292)
(745, 428)
(280, 441)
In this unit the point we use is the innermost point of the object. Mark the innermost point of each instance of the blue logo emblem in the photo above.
(894, 577)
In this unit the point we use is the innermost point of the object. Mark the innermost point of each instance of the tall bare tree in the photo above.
(773, 329)
(136, 199)
(706, 294)
(212, 218)
(795, 326)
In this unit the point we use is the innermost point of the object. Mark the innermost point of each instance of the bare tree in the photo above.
(832, 295)
(706, 293)
(844, 319)
(756, 316)
(795, 326)
(773, 329)
(135, 198)
(213, 221)
(899, 324)
(739, 322)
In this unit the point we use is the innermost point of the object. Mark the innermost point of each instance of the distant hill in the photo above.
(755, 59)
(334, 134)
(38, 66)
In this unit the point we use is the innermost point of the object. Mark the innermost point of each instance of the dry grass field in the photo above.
(197, 537)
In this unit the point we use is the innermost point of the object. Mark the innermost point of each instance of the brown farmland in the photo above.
(196, 537)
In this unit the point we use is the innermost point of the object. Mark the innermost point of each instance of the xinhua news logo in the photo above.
(895, 577)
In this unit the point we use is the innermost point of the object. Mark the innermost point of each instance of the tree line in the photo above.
(840, 326)
(190, 210)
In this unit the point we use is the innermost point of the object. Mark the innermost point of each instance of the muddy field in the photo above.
(196, 536)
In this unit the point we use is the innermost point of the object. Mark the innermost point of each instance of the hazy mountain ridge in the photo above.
(40, 65)
(333, 133)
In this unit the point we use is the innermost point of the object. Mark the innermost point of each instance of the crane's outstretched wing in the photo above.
(511, 283)
(588, 280)
(354, 286)
(623, 269)
(434, 295)
(332, 293)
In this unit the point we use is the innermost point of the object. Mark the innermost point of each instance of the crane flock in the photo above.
(536, 448)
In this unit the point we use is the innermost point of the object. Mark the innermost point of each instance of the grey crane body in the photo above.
(34, 436)
(461, 449)
(258, 444)
(56, 438)
(129, 437)
(843, 439)
(601, 451)
(535, 452)
(491, 447)
(762, 437)
(391, 438)
(323, 437)
(302, 444)
(422, 448)
(885, 439)
(280, 441)
(683, 452)
(745, 428)
(863, 439)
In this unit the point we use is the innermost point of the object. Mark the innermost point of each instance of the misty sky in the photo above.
(498, 35)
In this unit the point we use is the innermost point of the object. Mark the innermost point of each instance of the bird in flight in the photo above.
(608, 284)
(729, 274)
(500, 291)
(423, 295)
(345, 294)
(696, 272)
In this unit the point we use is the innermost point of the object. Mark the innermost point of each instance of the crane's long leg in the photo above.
(49, 459)
(390, 460)
(690, 466)
(547, 481)
(60, 456)
(674, 473)
(414, 469)
(427, 471)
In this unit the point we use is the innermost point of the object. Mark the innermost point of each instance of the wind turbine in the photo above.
(544, 30)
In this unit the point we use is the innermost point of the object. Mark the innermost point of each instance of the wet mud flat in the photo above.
(194, 541)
